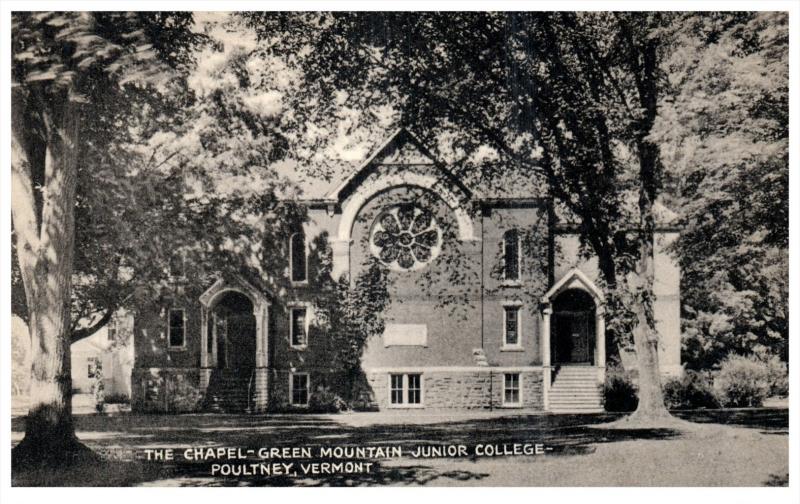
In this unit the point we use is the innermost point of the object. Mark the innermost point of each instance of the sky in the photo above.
(344, 144)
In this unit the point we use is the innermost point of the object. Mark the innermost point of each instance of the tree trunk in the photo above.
(645, 338)
(45, 244)
(643, 61)
(645, 335)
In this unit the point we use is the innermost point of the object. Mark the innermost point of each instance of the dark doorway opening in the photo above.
(574, 328)
(235, 333)
(232, 333)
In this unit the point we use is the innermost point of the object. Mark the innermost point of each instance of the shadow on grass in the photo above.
(770, 421)
(127, 436)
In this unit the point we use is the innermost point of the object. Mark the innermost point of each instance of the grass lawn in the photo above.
(712, 448)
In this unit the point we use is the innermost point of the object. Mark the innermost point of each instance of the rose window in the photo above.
(405, 237)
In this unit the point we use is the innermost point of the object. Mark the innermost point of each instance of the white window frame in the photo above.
(291, 258)
(405, 404)
(519, 402)
(291, 390)
(518, 307)
(307, 323)
(512, 281)
(182, 346)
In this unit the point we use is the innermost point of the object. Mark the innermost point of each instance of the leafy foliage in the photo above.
(549, 99)
(562, 96)
(182, 132)
(566, 98)
(173, 167)
(692, 390)
(742, 382)
(324, 400)
(349, 311)
(724, 140)
(108, 63)
(619, 390)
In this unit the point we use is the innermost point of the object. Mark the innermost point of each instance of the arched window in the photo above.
(298, 261)
(511, 255)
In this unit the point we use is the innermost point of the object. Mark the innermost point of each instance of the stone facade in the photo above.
(466, 389)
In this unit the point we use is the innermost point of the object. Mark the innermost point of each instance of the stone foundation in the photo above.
(463, 390)
(181, 390)
(323, 387)
(166, 390)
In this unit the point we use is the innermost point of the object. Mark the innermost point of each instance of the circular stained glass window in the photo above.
(405, 237)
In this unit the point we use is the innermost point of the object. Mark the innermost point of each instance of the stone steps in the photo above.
(569, 394)
(575, 390)
(229, 392)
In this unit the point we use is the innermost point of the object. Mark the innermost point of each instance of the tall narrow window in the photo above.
(511, 255)
(511, 334)
(299, 327)
(511, 395)
(177, 328)
(297, 252)
(298, 383)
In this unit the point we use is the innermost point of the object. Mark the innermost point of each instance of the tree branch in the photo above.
(85, 332)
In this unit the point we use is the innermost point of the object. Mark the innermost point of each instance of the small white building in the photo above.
(108, 351)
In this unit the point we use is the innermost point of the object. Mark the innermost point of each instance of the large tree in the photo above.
(174, 180)
(62, 65)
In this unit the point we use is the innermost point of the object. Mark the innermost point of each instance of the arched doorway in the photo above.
(234, 329)
(234, 346)
(573, 328)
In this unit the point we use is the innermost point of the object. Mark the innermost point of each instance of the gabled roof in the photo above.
(574, 278)
(236, 283)
(400, 139)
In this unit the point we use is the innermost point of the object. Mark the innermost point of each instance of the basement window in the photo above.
(511, 390)
(298, 389)
(405, 390)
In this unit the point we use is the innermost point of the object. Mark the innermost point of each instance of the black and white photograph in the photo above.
(440, 247)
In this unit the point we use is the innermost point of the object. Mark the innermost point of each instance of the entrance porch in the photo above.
(234, 347)
(573, 345)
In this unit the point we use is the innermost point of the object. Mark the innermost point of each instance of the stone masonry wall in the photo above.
(463, 389)
(165, 390)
